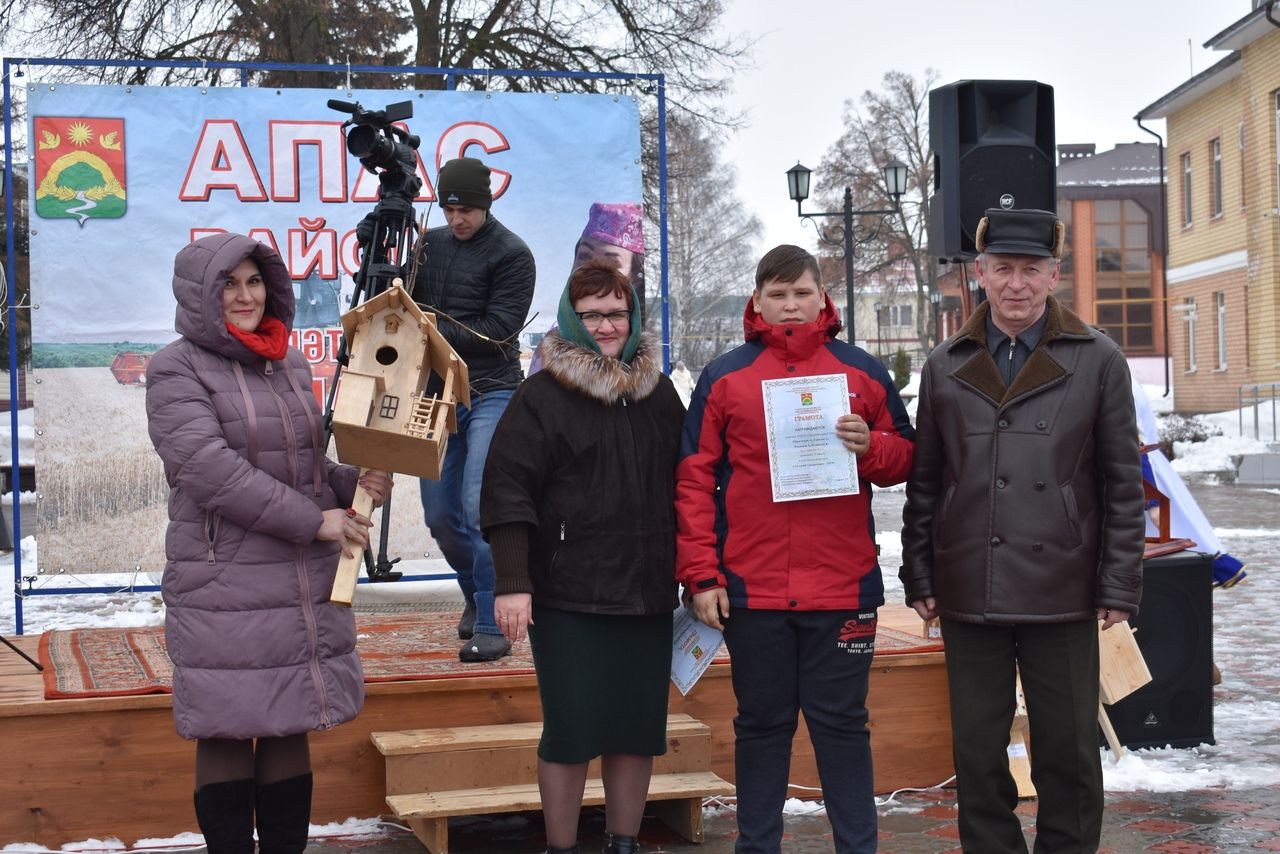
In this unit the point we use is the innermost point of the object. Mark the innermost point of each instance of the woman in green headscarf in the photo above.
(577, 506)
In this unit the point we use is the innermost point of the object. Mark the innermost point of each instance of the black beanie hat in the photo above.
(465, 181)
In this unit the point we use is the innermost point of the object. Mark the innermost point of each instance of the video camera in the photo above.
(380, 145)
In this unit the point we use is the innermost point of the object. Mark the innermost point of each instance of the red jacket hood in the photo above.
(800, 339)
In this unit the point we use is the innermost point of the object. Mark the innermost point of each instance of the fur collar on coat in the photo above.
(600, 377)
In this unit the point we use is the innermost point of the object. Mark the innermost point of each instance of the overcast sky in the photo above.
(1105, 60)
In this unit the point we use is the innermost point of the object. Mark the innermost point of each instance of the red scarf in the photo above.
(270, 339)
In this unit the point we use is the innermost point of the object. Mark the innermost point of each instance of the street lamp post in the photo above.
(935, 299)
(895, 182)
(879, 309)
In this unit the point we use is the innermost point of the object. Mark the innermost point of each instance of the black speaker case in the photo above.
(989, 139)
(1174, 630)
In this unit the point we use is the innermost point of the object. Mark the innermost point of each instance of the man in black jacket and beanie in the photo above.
(478, 277)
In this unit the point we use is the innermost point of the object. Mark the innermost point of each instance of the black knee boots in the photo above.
(225, 814)
(620, 844)
(551, 849)
(284, 815)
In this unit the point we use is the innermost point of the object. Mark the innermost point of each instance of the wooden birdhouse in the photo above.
(383, 417)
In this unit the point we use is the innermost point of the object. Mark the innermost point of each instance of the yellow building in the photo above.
(1223, 212)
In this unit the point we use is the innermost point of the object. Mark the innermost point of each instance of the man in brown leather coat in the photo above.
(1023, 530)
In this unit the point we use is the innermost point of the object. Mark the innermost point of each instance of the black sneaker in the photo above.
(467, 623)
(484, 647)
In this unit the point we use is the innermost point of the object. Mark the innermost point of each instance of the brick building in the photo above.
(1112, 274)
(1223, 189)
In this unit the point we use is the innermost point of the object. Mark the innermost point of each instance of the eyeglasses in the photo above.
(593, 319)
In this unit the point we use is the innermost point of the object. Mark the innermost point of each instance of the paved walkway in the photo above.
(1247, 649)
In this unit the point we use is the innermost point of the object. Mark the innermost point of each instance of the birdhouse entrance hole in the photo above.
(386, 355)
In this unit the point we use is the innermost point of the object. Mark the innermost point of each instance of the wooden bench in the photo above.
(433, 774)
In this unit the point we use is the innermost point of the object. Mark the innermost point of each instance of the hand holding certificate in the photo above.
(693, 646)
(806, 457)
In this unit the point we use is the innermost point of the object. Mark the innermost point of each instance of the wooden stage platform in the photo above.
(113, 767)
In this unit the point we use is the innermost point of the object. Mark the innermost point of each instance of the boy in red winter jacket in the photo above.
(793, 584)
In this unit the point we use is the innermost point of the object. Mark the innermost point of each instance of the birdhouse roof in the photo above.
(393, 298)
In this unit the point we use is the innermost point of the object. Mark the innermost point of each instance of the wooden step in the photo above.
(494, 769)
(674, 799)
(507, 755)
(442, 739)
(522, 797)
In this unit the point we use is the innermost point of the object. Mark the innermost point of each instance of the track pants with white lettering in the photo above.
(818, 662)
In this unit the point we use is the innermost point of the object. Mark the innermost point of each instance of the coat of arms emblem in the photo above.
(79, 168)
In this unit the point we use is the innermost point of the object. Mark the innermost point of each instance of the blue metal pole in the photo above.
(343, 68)
(15, 480)
(662, 219)
(848, 265)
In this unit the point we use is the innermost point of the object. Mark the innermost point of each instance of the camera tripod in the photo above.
(386, 238)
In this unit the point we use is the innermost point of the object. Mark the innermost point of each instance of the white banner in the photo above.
(123, 177)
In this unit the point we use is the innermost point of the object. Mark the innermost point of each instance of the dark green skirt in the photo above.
(603, 681)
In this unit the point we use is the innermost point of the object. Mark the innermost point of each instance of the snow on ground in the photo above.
(352, 828)
(1237, 422)
(1248, 744)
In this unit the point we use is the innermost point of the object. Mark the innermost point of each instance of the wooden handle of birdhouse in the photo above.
(344, 583)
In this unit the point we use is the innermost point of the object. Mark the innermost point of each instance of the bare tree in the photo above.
(711, 247)
(676, 37)
(892, 123)
(282, 31)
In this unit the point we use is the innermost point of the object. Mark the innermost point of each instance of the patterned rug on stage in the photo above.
(118, 662)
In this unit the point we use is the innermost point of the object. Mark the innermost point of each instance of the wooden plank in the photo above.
(344, 581)
(433, 833)
(1020, 758)
(442, 739)
(688, 749)
(683, 815)
(356, 396)
(1113, 740)
(1122, 669)
(467, 769)
(523, 797)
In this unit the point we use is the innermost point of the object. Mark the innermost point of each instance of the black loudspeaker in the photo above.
(993, 146)
(1175, 633)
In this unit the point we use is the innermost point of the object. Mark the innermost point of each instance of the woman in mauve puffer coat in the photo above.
(256, 521)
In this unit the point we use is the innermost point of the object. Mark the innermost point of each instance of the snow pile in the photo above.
(26, 436)
(1219, 453)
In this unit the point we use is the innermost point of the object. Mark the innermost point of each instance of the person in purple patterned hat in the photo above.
(614, 233)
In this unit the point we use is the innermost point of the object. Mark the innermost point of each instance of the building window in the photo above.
(390, 403)
(1215, 178)
(1124, 305)
(1187, 217)
(1222, 329)
(1189, 314)
(895, 315)
(1066, 290)
(1242, 166)
(1276, 101)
